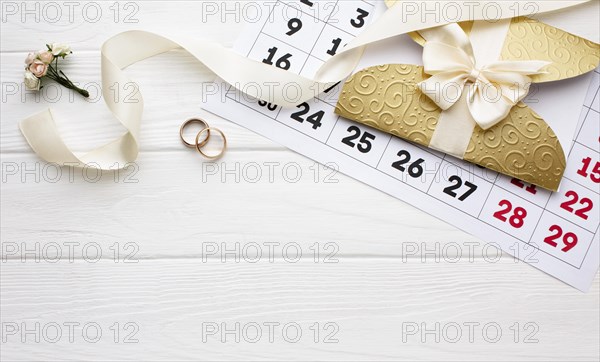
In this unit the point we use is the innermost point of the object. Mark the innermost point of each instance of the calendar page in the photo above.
(555, 232)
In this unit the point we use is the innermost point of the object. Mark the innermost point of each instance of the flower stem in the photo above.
(63, 80)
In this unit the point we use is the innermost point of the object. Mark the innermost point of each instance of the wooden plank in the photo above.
(179, 204)
(370, 305)
(369, 262)
(86, 25)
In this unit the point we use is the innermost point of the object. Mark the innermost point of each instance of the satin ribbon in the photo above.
(130, 47)
(493, 88)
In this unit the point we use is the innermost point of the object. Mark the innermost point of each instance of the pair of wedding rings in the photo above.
(202, 138)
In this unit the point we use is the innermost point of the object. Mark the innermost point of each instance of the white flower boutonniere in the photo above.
(45, 64)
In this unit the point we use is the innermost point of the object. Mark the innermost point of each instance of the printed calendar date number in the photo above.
(283, 62)
(314, 119)
(516, 219)
(331, 88)
(415, 169)
(269, 106)
(364, 143)
(457, 183)
(295, 25)
(569, 239)
(530, 188)
(594, 173)
(573, 198)
(336, 44)
(359, 22)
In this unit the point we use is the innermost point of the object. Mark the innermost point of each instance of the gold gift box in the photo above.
(522, 145)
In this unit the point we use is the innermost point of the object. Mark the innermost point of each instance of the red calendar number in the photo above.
(517, 219)
(569, 238)
(520, 184)
(573, 198)
(595, 171)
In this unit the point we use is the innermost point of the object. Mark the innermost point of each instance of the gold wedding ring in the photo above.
(204, 125)
(199, 145)
(206, 129)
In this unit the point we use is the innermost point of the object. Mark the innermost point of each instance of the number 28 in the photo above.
(516, 220)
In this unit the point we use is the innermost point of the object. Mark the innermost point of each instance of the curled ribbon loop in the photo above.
(493, 88)
(125, 49)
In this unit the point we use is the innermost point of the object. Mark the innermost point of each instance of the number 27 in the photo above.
(457, 182)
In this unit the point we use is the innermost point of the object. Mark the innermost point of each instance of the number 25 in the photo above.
(364, 144)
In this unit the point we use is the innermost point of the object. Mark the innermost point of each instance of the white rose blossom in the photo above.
(31, 81)
(60, 49)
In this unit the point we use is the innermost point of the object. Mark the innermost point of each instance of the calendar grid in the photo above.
(543, 208)
(436, 174)
(366, 2)
(336, 121)
(586, 146)
(290, 45)
(435, 177)
(315, 44)
(261, 30)
(485, 202)
(305, 12)
(328, 17)
(382, 154)
(455, 208)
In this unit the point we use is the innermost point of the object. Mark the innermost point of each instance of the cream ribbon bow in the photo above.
(493, 88)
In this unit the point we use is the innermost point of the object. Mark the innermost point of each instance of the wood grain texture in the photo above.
(368, 300)
(87, 124)
(395, 264)
(178, 203)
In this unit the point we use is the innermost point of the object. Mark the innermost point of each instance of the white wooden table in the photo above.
(377, 279)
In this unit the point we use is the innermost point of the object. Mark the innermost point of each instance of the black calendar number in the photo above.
(314, 119)
(283, 62)
(294, 25)
(364, 143)
(359, 22)
(307, 3)
(414, 168)
(336, 45)
(330, 88)
(270, 106)
(457, 183)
